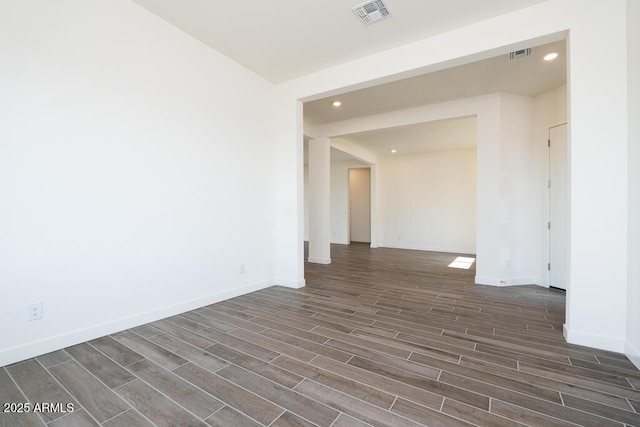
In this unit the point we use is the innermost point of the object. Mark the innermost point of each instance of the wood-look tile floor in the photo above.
(379, 337)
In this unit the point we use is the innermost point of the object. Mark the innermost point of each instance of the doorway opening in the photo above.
(360, 205)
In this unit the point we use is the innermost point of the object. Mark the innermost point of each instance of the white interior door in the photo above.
(360, 205)
(558, 206)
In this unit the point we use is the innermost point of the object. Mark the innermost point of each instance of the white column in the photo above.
(319, 201)
(290, 214)
(374, 206)
(598, 184)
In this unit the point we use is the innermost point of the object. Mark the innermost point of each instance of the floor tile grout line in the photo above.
(132, 409)
(150, 342)
(224, 405)
(616, 370)
(330, 312)
(199, 349)
(599, 415)
(538, 398)
(55, 364)
(275, 343)
(243, 413)
(490, 384)
(441, 371)
(113, 360)
(383, 377)
(361, 400)
(187, 360)
(302, 339)
(71, 394)
(70, 414)
(341, 376)
(254, 393)
(40, 416)
(537, 353)
(173, 322)
(292, 389)
(595, 380)
(545, 378)
(352, 380)
(169, 398)
(412, 343)
(205, 326)
(537, 412)
(183, 340)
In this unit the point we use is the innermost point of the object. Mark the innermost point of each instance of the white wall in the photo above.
(340, 200)
(517, 208)
(632, 348)
(596, 315)
(428, 201)
(131, 186)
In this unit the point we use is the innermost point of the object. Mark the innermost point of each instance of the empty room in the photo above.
(397, 212)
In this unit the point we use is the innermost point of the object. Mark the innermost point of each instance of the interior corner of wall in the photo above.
(633, 353)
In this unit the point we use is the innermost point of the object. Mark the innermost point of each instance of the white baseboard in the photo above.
(291, 283)
(66, 339)
(490, 281)
(319, 260)
(514, 281)
(593, 340)
(633, 353)
(340, 242)
(467, 251)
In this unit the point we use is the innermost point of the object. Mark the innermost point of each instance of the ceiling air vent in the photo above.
(517, 54)
(372, 11)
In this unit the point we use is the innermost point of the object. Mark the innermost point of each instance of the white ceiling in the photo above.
(284, 39)
(452, 134)
(528, 76)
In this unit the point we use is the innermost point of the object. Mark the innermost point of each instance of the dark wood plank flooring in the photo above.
(379, 337)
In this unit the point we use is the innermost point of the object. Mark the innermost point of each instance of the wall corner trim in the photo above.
(632, 353)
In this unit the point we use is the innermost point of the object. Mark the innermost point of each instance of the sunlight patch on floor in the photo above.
(462, 262)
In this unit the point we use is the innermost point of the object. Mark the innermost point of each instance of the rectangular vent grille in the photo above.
(372, 11)
(520, 53)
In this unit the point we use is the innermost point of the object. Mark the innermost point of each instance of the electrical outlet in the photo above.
(34, 311)
(242, 269)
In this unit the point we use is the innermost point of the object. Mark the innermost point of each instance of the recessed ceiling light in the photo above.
(550, 56)
(337, 103)
(394, 151)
